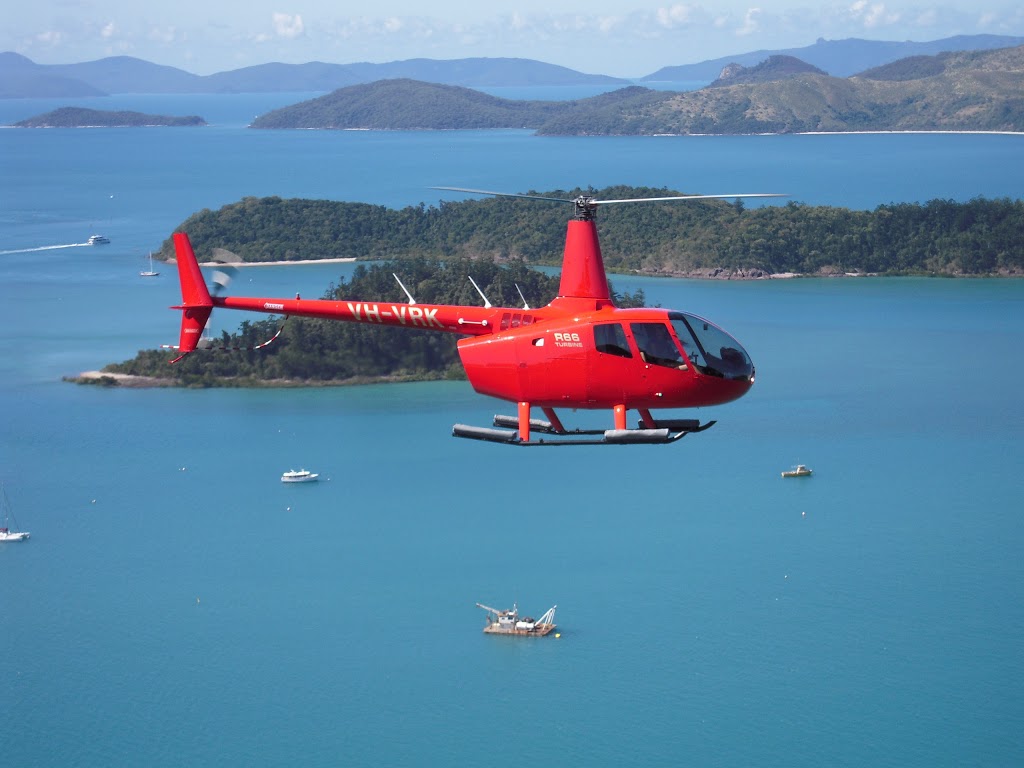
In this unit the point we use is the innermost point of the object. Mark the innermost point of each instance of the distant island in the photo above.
(77, 117)
(973, 91)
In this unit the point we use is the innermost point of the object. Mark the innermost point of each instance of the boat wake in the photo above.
(46, 248)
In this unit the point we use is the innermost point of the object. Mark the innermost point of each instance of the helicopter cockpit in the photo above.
(712, 351)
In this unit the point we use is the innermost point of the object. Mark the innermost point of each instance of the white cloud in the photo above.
(751, 23)
(674, 16)
(288, 26)
(108, 30)
(872, 15)
(165, 35)
(50, 37)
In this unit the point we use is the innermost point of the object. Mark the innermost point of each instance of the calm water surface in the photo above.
(178, 605)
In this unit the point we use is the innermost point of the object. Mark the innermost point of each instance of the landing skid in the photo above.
(664, 432)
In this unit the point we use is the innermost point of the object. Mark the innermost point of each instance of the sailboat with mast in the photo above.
(6, 516)
(149, 272)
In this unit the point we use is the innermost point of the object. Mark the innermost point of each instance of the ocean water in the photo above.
(178, 606)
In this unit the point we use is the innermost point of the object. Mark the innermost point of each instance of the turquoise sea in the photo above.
(177, 605)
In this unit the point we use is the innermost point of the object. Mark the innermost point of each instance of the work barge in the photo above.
(508, 622)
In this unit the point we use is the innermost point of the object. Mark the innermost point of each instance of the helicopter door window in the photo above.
(504, 321)
(656, 346)
(611, 340)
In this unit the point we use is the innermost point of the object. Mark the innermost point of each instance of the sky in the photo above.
(623, 38)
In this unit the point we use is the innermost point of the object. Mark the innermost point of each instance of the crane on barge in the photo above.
(508, 622)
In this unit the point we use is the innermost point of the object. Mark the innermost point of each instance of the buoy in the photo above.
(558, 634)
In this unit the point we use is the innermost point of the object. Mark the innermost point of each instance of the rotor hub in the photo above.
(585, 208)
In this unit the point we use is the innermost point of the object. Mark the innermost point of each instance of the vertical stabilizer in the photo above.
(196, 304)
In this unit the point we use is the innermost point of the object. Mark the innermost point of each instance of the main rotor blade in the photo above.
(506, 194)
(594, 201)
(688, 197)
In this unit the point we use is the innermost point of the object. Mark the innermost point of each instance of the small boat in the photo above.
(300, 476)
(98, 239)
(508, 622)
(798, 471)
(149, 272)
(6, 534)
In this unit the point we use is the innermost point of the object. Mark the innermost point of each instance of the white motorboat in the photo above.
(6, 534)
(299, 476)
(98, 239)
(798, 471)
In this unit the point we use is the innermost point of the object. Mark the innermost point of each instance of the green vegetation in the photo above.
(77, 117)
(941, 237)
(407, 105)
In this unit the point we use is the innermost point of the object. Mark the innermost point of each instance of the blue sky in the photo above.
(626, 38)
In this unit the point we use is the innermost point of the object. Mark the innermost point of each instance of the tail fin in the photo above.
(196, 304)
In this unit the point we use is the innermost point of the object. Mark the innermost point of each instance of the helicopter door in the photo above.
(552, 366)
(608, 368)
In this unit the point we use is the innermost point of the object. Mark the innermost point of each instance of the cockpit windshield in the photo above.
(712, 351)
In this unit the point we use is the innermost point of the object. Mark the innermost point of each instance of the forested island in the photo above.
(697, 238)
(964, 91)
(498, 241)
(78, 117)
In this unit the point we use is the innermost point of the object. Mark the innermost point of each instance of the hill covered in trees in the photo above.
(691, 238)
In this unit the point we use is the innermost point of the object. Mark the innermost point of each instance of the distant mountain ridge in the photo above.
(967, 91)
(20, 77)
(839, 58)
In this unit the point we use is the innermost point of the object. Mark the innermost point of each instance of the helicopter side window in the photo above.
(656, 346)
(504, 321)
(611, 340)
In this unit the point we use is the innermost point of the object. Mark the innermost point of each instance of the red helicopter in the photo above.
(580, 351)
